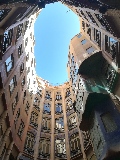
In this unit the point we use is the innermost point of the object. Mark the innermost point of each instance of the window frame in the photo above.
(11, 61)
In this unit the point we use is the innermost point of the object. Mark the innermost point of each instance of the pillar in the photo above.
(65, 125)
(52, 155)
(36, 150)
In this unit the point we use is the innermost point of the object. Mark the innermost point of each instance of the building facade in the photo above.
(76, 120)
(93, 69)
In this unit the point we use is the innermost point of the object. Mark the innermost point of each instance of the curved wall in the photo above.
(53, 124)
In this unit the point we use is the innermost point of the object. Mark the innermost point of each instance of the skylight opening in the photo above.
(55, 26)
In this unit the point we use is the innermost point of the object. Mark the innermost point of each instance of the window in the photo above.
(97, 37)
(21, 128)
(23, 82)
(17, 116)
(90, 50)
(88, 30)
(31, 49)
(31, 35)
(27, 107)
(33, 119)
(91, 18)
(28, 70)
(22, 68)
(46, 108)
(19, 31)
(36, 103)
(34, 62)
(39, 92)
(59, 124)
(9, 63)
(29, 144)
(83, 41)
(4, 13)
(69, 104)
(111, 46)
(27, 57)
(44, 147)
(75, 144)
(7, 40)
(83, 15)
(26, 24)
(58, 108)
(79, 35)
(72, 122)
(12, 84)
(83, 25)
(31, 93)
(108, 122)
(24, 94)
(60, 149)
(15, 102)
(72, 60)
(48, 95)
(67, 92)
(20, 50)
(46, 124)
(58, 96)
(26, 41)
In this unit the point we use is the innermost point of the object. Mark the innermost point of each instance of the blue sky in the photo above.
(54, 29)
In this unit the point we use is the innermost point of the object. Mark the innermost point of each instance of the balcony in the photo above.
(37, 107)
(93, 62)
(43, 155)
(29, 150)
(100, 77)
(34, 125)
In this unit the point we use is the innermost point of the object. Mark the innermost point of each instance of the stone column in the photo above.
(4, 140)
(9, 150)
(65, 125)
(52, 155)
(36, 150)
